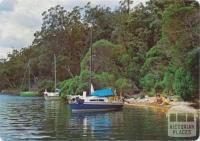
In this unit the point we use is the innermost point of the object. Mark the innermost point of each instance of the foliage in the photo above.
(167, 81)
(73, 86)
(183, 84)
(148, 81)
(123, 86)
(148, 48)
(46, 84)
(105, 74)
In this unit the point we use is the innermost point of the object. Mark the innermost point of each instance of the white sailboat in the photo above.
(56, 94)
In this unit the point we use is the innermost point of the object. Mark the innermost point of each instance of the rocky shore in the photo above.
(151, 102)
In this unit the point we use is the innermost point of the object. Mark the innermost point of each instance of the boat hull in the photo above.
(52, 97)
(29, 93)
(91, 107)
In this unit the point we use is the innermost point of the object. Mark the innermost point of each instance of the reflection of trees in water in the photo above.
(55, 122)
(126, 124)
(145, 122)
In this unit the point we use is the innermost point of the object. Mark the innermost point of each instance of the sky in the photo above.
(19, 19)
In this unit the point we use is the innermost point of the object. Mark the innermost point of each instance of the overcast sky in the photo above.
(19, 19)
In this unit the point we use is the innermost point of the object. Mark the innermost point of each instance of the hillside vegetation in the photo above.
(150, 48)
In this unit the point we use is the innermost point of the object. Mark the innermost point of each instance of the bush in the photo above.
(123, 85)
(46, 84)
(183, 84)
(167, 82)
(152, 93)
(158, 88)
(148, 81)
(73, 86)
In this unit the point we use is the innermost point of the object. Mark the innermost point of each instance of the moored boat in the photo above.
(100, 100)
(56, 94)
(30, 92)
(52, 95)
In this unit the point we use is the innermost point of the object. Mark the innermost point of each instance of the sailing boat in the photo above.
(99, 100)
(56, 94)
(29, 92)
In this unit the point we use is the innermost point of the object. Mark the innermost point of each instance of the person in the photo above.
(45, 92)
(79, 101)
(159, 99)
(162, 100)
(165, 101)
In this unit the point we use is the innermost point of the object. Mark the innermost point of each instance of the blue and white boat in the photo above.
(99, 100)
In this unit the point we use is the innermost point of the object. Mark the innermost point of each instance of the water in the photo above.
(32, 118)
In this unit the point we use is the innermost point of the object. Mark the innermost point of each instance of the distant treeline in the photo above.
(150, 48)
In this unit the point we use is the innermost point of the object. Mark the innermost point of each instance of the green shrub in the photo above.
(73, 86)
(148, 81)
(123, 85)
(46, 84)
(152, 93)
(158, 87)
(167, 81)
(183, 84)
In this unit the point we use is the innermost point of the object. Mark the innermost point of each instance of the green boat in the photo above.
(29, 92)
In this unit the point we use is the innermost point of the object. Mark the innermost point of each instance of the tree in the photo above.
(101, 19)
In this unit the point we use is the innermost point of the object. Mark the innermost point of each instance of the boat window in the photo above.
(93, 100)
(96, 99)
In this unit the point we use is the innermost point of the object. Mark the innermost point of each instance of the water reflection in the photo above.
(56, 116)
(93, 124)
(35, 119)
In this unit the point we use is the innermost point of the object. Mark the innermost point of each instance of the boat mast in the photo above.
(29, 76)
(55, 70)
(91, 60)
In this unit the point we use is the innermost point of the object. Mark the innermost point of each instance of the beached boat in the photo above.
(56, 94)
(99, 100)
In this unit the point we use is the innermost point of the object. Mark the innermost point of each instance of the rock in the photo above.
(138, 98)
(131, 100)
(181, 103)
(152, 100)
(175, 98)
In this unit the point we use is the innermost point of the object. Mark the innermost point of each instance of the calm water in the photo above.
(25, 118)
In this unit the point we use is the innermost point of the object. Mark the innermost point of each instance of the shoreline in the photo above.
(160, 108)
(142, 105)
(10, 91)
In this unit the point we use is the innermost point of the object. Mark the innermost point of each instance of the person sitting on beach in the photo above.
(165, 101)
(161, 100)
